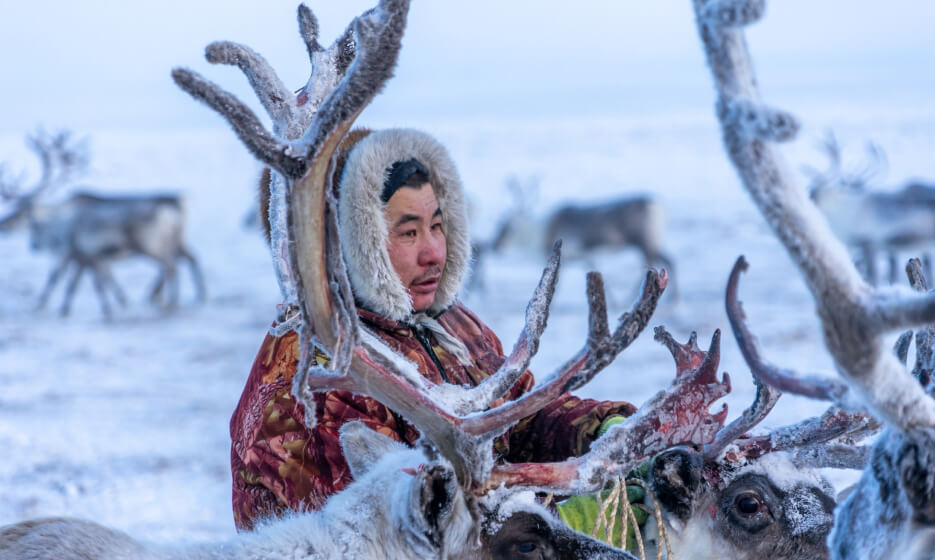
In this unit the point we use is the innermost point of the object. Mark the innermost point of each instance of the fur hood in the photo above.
(363, 230)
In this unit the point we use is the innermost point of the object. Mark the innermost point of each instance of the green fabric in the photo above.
(580, 513)
(612, 421)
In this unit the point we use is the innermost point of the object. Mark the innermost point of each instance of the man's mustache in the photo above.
(430, 274)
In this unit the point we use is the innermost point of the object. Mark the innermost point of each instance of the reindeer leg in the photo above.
(53, 279)
(197, 277)
(108, 277)
(867, 257)
(70, 290)
(155, 294)
(172, 283)
(100, 281)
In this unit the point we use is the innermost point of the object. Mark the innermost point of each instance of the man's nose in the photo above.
(432, 251)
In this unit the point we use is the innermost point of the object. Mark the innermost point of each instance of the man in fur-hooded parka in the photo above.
(278, 463)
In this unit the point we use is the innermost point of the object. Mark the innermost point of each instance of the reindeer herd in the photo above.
(721, 490)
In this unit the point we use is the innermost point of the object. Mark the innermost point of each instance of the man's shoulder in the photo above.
(459, 314)
(468, 327)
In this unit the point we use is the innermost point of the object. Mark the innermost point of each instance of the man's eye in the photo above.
(409, 233)
(437, 226)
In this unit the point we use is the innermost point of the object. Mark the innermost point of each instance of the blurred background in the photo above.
(542, 105)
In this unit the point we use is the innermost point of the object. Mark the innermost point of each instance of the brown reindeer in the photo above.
(891, 513)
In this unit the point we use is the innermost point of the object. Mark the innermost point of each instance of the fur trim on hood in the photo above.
(363, 230)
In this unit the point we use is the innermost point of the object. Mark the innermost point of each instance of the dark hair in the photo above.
(408, 173)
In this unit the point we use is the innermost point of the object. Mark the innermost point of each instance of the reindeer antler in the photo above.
(816, 439)
(676, 416)
(854, 317)
(61, 159)
(462, 432)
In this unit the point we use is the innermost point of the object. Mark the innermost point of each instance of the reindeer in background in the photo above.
(891, 513)
(632, 221)
(874, 221)
(90, 231)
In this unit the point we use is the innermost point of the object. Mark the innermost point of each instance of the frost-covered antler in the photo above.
(61, 159)
(291, 114)
(854, 317)
(463, 430)
(360, 362)
(824, 441)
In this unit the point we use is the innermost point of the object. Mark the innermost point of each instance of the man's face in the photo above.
(416, 242)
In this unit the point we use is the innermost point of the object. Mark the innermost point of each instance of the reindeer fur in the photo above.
(384, 514)
(896, 512)
(699, 500)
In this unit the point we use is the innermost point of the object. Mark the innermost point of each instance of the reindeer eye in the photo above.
(526, 547)
(748, 504)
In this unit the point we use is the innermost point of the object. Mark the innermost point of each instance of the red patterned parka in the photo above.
(279, 464)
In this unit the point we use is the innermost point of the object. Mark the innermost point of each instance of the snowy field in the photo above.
(126, 422)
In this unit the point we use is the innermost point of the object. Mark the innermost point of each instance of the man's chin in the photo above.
(421, 302)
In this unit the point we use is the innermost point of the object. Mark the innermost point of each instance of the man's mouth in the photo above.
(425, 285)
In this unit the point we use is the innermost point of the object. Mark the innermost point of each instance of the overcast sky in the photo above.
(105, 63)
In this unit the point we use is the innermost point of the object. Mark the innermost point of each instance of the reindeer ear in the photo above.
(363, 447)
(915, 459)
(675, 477)
(437, 500)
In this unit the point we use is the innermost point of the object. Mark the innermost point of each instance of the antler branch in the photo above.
(262, 144)
(598, 351)
(676, 416)
(482, 396)
(278, 100)
(854, 318)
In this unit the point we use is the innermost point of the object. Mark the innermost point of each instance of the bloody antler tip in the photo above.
(661, 277)
(720, 417)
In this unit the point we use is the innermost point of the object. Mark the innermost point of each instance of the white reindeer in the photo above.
(871, 220)
(891, 513)
(90, 231)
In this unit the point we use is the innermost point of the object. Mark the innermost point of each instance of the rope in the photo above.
(618, 500)
(657, 513)
(638, 537)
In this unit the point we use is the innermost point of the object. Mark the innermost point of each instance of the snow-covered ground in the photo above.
(126, 422)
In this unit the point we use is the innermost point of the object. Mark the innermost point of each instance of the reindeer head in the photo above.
(411, 494)
(61, 159)
(826, 186)
(770, 507)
